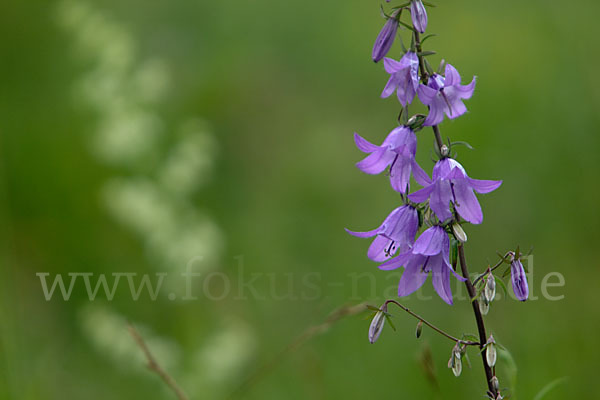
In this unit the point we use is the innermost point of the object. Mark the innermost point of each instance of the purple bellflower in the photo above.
(404, 77)
(519, 280)
(451, 184)
(430, 253)
(418, 15)
(397, 232)
(444, 94)
(397, 151)
(386, 37)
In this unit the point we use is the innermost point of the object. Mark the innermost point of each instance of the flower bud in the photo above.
(519, 280)
(459, 233)
(490, 351)
(419, 329)
(484, 306)
(495, 383)
(444, 150)
(490, 288)
(386, 37)
(376, 326)
(418, 15)
(455, 362)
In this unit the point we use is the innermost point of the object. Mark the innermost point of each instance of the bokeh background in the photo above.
(137, 136)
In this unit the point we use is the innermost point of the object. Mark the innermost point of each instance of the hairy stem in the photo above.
(478, 317)
(435, 328)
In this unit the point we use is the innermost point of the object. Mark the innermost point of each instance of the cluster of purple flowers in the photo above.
(447, 197)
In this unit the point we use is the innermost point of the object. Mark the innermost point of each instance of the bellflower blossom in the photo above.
(451, 184)
(430, 253)
(519, 280)
(397, 232)
(444, 94)
(385, 39)
(397, 151)
(404, 77)
(418, 15)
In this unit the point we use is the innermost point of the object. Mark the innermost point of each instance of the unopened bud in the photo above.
(459, 233)
(490, 352)
(376, 326)
(455, 362)
(444, 150)
(490, 288)
(495, 383)
(484, 306)
(419, 329)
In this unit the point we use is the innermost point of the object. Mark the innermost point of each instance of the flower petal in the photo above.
(426, 94)
(431, 242)
(364, 145)
(366, 234)
(376, 162)
(396, 262)
(436, 111)
(452, 76)
(420, 175)
(391, 85)
(400, 174)
(378, 251)
(440, 276)
(484, 186)
(421, 196)
(466, 202)
(413, 277)
(440, 198)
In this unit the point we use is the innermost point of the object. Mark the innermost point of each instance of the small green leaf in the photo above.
(427, 37)
(426, 53)
(429, 4)
(510, 366)
(407, 25)
(462, 143)
(501, 284)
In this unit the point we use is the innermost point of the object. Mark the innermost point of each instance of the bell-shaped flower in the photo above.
(519, 280)
(418, 15)
(386, 37)
(430, 253)
(445, 94)
(450, 184)
(404, 77)
(396, 233)
(397, 152)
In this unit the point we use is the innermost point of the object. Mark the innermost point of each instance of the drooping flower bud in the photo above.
(376, 326)
(490, 351)
(484, 305)
(459, 233)
(455, 362)
(418, 15)
(495, 383)
(419, 329)
(490, 288)
(519, 280)
(386, 37)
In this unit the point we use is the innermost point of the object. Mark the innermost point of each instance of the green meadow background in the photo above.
(149, 137)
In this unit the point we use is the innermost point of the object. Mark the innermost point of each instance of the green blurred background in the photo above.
(136, 135)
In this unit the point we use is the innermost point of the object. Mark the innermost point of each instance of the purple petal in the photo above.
(364, 145)
(392, 66)
(440, 276)
(440, 198)
(396, 262)
(364, 235)
(376, 162)
(413, 277)
(390, 86)
(420, 175)
(418, 15)
(385, 39)
(436, 111)
(426, 94)
(466, 202)
(452, 76)
(465, 91)
(378, 251)
(431, 242)
(400, 174)
(457, 107)
(483, 186)
(421, 196)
